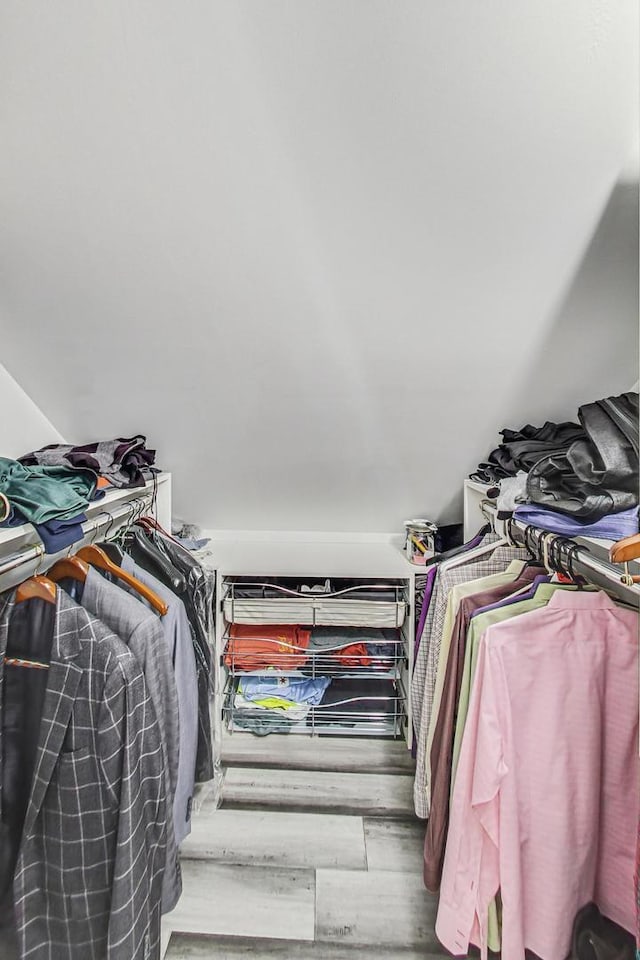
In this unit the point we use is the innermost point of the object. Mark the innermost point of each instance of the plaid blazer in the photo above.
(88, 880)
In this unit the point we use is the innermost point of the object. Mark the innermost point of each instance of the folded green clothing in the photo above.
(46, 493)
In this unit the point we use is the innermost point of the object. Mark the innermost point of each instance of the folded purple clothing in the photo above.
(614, 526)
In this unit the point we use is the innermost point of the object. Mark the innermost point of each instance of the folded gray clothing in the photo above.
(260, 725)
(513, 492)
(323, 638)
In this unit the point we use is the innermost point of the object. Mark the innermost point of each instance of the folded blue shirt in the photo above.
(307, 690)
(614, 526)
(55, 534)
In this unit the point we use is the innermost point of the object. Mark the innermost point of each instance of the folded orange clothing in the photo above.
(355, 655)
(253, 646)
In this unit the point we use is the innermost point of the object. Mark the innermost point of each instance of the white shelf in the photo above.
(309, 555)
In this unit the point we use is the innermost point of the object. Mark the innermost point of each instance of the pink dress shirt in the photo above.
(545, 803)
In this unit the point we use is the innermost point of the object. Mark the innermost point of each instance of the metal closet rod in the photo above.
(598, 572)
(127, 512)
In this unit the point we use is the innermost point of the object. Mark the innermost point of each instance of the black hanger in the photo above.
(145, 552)
(571, 556)
(113, 551)
(532, 550)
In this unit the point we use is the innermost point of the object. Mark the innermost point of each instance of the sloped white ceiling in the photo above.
(319, 251)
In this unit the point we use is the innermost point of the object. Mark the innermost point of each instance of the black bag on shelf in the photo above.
(594, 937)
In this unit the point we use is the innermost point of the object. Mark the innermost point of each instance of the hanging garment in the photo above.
(178, 640)
(441, 747)
(43, 493)
(142, 632)
(198, 599)
(124, 462)
(88, 877)
(546, 797)
(419, 678)
(495, 563)
(515, 570)
(481, 620)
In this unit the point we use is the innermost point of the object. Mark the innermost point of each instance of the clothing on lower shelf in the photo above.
(280, 646)
(292, 689)
(346, 697)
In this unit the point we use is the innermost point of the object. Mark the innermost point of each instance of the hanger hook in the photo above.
(543, 540)
(96, 527)
(112, 520)
(40, 558)
(507, 532)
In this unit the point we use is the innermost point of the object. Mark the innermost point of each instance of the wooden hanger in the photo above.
(72, 568)
(36, 588)
(625, 550)
(99, 559)
(622, 552)
(150, 523)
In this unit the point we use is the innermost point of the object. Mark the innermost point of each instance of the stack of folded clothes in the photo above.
(252, 647)
(579, 478)
(265, 705)
(336, 650)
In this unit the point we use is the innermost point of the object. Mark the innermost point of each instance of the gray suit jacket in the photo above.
(88, 881)
(142, 631)
(179, 643)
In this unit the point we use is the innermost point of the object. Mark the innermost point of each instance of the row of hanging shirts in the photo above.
(526, 695)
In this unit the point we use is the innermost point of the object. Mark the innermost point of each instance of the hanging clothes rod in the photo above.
(113, 519)
(601, 574)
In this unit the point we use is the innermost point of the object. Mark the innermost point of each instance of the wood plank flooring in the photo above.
(365, 794)
(187, 947)
(265, 838)
(317, 753)
(315, 862)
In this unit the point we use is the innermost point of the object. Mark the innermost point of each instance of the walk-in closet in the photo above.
(319, 480)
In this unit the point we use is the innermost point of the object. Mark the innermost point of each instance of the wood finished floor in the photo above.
(312, 855)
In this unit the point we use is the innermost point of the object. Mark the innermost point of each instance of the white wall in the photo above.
(23, 427)
(320, 251)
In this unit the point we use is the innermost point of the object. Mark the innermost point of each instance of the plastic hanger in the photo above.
(477, 552)
(99, 559)
(158, 560)
(152, 524)
(622, 552)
